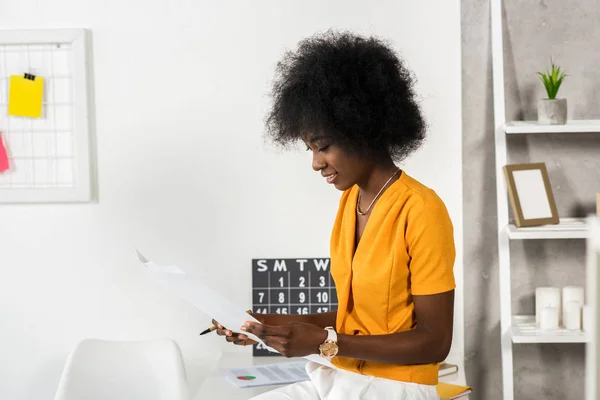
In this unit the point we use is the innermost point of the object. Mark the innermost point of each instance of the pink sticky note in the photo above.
(3, 157)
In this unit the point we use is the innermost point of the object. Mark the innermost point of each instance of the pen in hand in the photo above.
(214, 327)
(207, 330)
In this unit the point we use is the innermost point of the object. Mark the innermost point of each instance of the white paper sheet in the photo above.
(267, 375)
(207, 300)
(201, 296)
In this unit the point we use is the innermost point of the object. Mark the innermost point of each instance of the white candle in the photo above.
(572, 316)
(571, 293)
(549, 318)
(546, 297)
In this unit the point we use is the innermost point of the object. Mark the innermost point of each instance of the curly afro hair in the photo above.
(352, 89)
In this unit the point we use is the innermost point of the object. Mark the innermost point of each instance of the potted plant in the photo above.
(552, 111)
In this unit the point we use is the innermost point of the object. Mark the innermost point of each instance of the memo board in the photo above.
(291, 286)
(49, 157)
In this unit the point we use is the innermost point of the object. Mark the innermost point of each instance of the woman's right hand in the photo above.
(235, 338)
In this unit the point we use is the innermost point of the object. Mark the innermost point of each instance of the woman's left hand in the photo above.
(293, 340)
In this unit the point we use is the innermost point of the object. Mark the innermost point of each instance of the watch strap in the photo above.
(331, 334)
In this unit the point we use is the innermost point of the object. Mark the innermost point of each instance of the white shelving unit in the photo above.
(521, 328)
(592, 349)
(568, 228)
(527, 127)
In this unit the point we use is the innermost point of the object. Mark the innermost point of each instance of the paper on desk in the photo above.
(267, 375)
(207, 300)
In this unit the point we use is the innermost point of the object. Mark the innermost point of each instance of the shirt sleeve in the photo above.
(431, 249)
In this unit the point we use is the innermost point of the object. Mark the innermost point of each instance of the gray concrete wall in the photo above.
(569, 32)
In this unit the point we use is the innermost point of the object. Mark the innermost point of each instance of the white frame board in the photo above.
(81, 191)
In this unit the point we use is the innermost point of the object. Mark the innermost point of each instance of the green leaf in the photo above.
(552, 79)
(546, 82)
(558, 83)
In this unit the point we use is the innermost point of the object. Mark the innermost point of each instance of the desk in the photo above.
(216, 385)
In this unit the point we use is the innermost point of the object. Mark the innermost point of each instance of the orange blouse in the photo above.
(407, 248)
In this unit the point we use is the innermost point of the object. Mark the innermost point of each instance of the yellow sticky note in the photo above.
(25, 96)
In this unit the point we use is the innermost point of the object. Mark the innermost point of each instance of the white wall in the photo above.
(183, 171)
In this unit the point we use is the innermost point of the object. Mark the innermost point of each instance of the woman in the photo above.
(351, 101)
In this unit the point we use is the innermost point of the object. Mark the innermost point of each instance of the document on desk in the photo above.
(207, 300)
(267, 375)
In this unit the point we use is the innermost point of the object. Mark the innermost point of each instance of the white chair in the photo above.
(124, 370)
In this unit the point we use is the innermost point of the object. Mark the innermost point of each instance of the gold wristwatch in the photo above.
(329, 348)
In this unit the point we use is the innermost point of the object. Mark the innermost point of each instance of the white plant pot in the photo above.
(552, 112)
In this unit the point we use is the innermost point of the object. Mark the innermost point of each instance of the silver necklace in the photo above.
(375, 198)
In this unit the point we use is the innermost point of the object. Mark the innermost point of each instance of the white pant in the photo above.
(336, 384)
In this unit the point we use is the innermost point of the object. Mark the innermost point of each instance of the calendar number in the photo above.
(261, 346)
(281, 282)
(322, 281)
(323, 297)
(302, 297)
(281, 310)
(302, 282)
(281, 298)
(261, 311)
(322, 309)
(261, 296)
(302, 310)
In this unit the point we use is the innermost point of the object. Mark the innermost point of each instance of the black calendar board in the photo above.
(291, 286)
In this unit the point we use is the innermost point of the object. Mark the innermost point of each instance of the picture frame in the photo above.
(530, 194)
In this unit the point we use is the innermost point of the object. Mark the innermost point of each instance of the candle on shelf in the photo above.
(569, 294)
(549, 318)
(546, 297)
(572, 316)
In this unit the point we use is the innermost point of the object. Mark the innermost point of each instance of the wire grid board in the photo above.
(291, 286)
(49, 157)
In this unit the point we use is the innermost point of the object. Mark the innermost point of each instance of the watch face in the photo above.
(329, 349)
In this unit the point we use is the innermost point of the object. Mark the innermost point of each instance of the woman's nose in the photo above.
(317, 162)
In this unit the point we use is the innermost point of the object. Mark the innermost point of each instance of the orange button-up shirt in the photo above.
(407, 248)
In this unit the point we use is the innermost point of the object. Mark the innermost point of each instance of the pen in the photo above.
(207, 330)
(212, 328)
